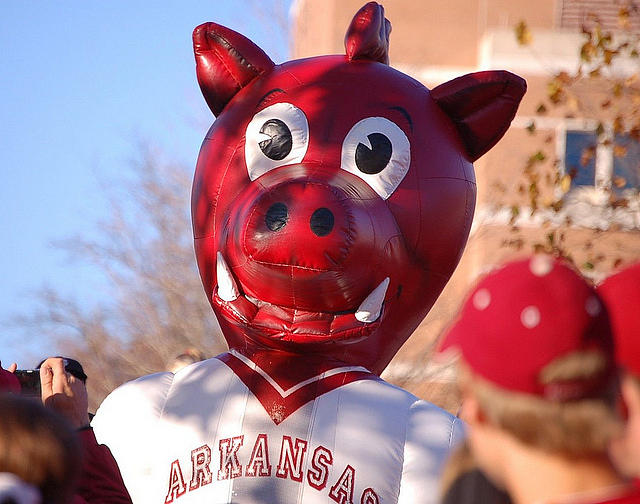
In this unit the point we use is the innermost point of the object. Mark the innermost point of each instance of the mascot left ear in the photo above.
(368, 35)
(226, 61)
(482, 106)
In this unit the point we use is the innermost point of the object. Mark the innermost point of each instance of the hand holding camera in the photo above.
(60, 384)
(64, 392)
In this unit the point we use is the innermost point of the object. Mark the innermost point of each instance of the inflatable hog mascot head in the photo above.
(333, 195)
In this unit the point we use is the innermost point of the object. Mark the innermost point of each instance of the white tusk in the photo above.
(369, 309)
(227, 288)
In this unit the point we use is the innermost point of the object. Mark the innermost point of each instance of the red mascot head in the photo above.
(333, 196)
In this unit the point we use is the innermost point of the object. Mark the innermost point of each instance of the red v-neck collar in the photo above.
(284, 383)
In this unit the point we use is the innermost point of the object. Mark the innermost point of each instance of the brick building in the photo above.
(436, 41)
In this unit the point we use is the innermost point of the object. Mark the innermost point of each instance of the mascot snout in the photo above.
(311, 240)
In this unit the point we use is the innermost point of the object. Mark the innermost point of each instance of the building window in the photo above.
(626, 164)
(575, 13)
(611, 166)
(580, 157)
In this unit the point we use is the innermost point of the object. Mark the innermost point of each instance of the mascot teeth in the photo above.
(227, 288)
(369, 309)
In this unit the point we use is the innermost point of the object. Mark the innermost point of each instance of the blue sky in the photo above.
(82, 84)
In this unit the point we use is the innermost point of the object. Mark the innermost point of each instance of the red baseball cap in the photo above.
(621, 295)
(523, 316)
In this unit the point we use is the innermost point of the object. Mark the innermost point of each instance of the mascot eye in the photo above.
(276, 136)
(377, 151)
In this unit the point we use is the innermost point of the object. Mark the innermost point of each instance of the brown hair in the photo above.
(38, 446)
(579, 427)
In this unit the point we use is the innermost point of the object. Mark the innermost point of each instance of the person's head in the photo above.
(536, 363)
(39, 447)
(621, 295)
(189, 356)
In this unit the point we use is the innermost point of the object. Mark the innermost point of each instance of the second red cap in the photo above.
(523, 316)
(621, 294)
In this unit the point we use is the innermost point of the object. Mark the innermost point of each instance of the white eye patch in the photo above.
(276, 136)
(377, 151)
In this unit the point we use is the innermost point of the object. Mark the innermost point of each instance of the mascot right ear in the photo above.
(225, 63)
(367, 37)
(482, 106)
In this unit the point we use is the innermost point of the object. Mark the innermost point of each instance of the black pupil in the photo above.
(375, 159)
(277, 216)
(278, 146)
(322, 221)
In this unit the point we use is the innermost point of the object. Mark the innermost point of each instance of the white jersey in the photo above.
(224, 431)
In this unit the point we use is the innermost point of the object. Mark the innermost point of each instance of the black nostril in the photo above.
(277, 216)
(322, 221)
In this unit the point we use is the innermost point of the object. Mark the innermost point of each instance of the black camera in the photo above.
(30, 378)
(29, 382)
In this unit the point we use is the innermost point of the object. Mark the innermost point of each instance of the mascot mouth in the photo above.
(291, 324)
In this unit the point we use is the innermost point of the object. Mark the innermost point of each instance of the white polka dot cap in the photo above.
(621, 295)
(523, 316)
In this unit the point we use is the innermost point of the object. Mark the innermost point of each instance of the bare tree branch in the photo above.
(156, 306)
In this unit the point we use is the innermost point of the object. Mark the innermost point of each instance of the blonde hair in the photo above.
(579, 427)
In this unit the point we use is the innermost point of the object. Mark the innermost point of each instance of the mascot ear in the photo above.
(482, 106)
(225, 62)
(368, 35)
